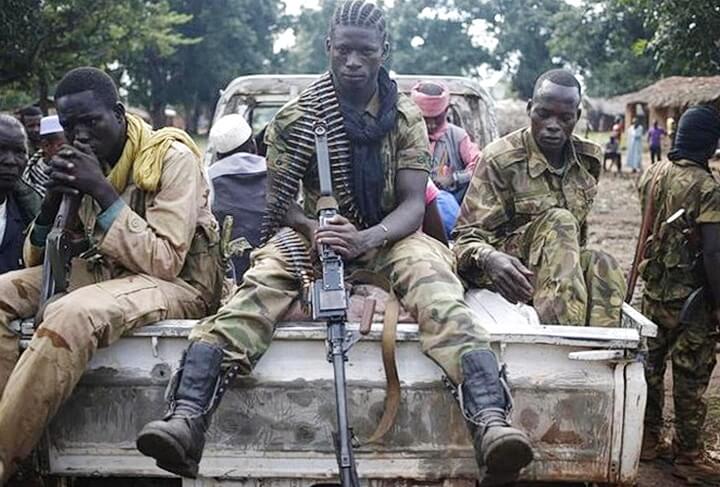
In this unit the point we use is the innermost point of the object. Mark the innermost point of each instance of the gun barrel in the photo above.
(323, 159)
(346, 462)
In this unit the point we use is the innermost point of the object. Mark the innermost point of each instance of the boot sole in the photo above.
(167, 452)
(508, 455)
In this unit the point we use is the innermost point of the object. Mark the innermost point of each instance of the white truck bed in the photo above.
(579, 394)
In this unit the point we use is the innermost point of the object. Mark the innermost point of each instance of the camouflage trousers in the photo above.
(691, 348)
(419, 269)
(93, 314)
(573, 285)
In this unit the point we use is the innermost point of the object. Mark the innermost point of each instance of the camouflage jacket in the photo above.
(514, 183)
(405, 147)
(672, 265)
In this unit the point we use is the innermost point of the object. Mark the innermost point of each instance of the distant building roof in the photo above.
(607, 106)
(676, 91)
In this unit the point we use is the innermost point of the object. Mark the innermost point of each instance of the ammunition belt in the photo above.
(297, 254)
(318, 102)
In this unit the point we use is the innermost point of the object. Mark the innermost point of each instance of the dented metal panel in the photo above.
(276, 425)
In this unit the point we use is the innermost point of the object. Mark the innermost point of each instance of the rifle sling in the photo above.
(648, 219)
(389, 344)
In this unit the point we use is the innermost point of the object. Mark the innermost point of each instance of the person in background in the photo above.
(238, 179)
(682, 257)
(655, 136)
(612, 153)
(634, 150)
(52, 138)
(454, 154)
(14, 215)
(617, 129)
(30, 118)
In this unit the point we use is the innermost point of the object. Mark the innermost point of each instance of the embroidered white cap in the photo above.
(50, 125)
(229, 132)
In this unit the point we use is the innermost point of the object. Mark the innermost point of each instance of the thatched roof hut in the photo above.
(670, 97)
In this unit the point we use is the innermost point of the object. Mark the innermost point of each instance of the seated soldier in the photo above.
(238, 179)
(454, 154)
(152, 253)
(523, 224)
(380, 161)
(15, 214)
(52, 137)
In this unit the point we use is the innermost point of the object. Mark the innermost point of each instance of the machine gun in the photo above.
(60, 248)
(329, 302)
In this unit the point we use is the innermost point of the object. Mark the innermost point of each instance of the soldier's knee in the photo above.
(560, 217)
(72, 317)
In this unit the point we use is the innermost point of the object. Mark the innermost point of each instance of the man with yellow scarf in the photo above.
(152, 253)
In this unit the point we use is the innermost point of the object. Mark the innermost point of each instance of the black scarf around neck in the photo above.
(697, 135)
(366, 135)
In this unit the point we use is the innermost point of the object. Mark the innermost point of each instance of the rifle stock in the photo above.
(329, 302)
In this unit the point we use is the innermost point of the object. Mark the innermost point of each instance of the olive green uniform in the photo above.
(519, 204)
(420, 270)
(672, 269)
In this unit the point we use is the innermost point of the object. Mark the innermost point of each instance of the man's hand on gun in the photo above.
(342, 237)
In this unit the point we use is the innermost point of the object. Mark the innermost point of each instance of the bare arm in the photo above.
(407, 215)
(298, 221)
(349, 242)
(433, 224)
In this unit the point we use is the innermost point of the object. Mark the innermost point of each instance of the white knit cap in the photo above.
(50, 125)
(230, 132)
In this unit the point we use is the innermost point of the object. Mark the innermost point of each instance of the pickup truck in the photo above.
(579, 392)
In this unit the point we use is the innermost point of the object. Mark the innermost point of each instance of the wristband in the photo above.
(385, 229)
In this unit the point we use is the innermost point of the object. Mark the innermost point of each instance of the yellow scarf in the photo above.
(144, 153)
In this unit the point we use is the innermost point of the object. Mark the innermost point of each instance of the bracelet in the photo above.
(385, 229)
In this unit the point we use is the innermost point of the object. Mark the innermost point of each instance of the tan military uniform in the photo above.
(672, 269)
(519, 204)
(155, 261)
(420, 270)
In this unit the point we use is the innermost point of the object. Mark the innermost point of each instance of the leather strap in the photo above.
(389, 344)
(648, 220)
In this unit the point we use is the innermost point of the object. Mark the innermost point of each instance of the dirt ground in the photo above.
(613, 227)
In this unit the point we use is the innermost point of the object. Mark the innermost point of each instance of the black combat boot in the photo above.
(500, 450)
(176, 442)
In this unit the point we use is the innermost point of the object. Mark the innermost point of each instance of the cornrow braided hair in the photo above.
(359, 13)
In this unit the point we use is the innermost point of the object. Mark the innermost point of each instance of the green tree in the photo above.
(605, 41)
(686, 35)
(231, 38)
(433, 37)
(426, 36)
(48, 37)
(523, 29)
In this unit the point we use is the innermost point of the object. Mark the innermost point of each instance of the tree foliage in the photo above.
(605, 42)
(48, 37)
(426, 36)
(685, 35)
(230, 38)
